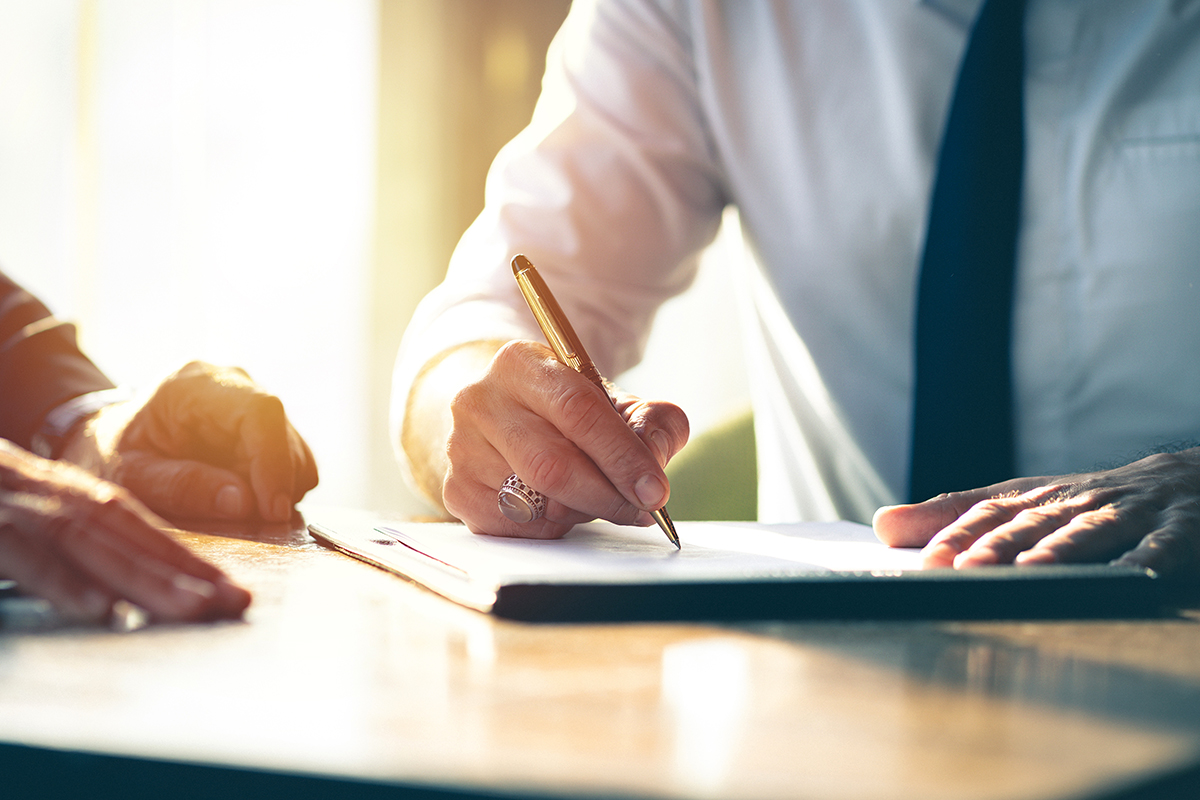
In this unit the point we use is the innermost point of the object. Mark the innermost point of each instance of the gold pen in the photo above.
(568, 349)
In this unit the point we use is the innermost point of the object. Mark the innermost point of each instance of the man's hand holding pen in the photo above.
(532, 415)
(517, 500)
(487, 416)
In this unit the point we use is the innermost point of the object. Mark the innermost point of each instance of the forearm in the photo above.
(426, 423)
(41, 366)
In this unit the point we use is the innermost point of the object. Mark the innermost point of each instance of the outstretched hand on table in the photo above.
(1145, 513)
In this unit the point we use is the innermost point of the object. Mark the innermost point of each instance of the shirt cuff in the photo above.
(49, 440)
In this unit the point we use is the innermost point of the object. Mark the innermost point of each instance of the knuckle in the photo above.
(456, 447)
(1031, 516)
(1165, 540)
(1162, 461)
(548, 471)
(586, 419)
(195, 367)
(512, 355)
(1041, 516)
(263, 402)
(523, 361)
(1170, 551)
(515, 436)
(994, 507)
(963, 505)
(577, 408)
(467, 403)
(267, 409)
(1110, 515)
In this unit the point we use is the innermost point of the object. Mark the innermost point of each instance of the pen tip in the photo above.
(520, 263)
(668, 527)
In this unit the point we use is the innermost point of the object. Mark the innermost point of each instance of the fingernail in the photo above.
(191, 585)
(229, 501)
(282, 507)
(190, 596)
(650, 491)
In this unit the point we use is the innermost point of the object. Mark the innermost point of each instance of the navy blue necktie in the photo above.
(962, 413)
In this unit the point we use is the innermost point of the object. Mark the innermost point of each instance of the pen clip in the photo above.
(553, 321)
(568, 348)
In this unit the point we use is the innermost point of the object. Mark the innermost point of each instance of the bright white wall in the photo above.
(195, 179)
(37, 122)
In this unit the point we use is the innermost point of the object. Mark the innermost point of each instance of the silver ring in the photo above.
(518, 502)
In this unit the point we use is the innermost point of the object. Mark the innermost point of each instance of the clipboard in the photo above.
(729, 571)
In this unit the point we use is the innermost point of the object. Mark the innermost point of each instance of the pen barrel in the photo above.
(555, 326)
(568, 348)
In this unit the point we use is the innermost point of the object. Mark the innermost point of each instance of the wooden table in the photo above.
(345, 681)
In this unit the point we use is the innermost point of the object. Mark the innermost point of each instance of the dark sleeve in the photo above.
(41, 365)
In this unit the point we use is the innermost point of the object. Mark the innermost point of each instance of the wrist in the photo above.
(65, 420)
(426, 424)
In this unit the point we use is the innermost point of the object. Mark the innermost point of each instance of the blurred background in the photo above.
(275, 184)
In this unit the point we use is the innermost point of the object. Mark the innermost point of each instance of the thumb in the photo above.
(914, 524)
(181, 488)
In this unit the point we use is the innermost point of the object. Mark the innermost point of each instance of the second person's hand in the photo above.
(209, 443)
(83, 544)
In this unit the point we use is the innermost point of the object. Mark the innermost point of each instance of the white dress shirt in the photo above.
(821, 121)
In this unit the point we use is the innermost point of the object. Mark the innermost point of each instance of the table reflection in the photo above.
(342, 669)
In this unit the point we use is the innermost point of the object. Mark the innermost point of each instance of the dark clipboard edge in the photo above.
(989, 593)
(1069, 591)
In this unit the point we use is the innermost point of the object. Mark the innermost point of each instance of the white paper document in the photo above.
(710, 551)
(725, 570)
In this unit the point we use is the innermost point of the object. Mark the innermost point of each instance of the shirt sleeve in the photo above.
(611, 191)
(41, 365)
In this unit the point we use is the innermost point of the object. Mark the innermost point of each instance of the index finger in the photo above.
(585, 416)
